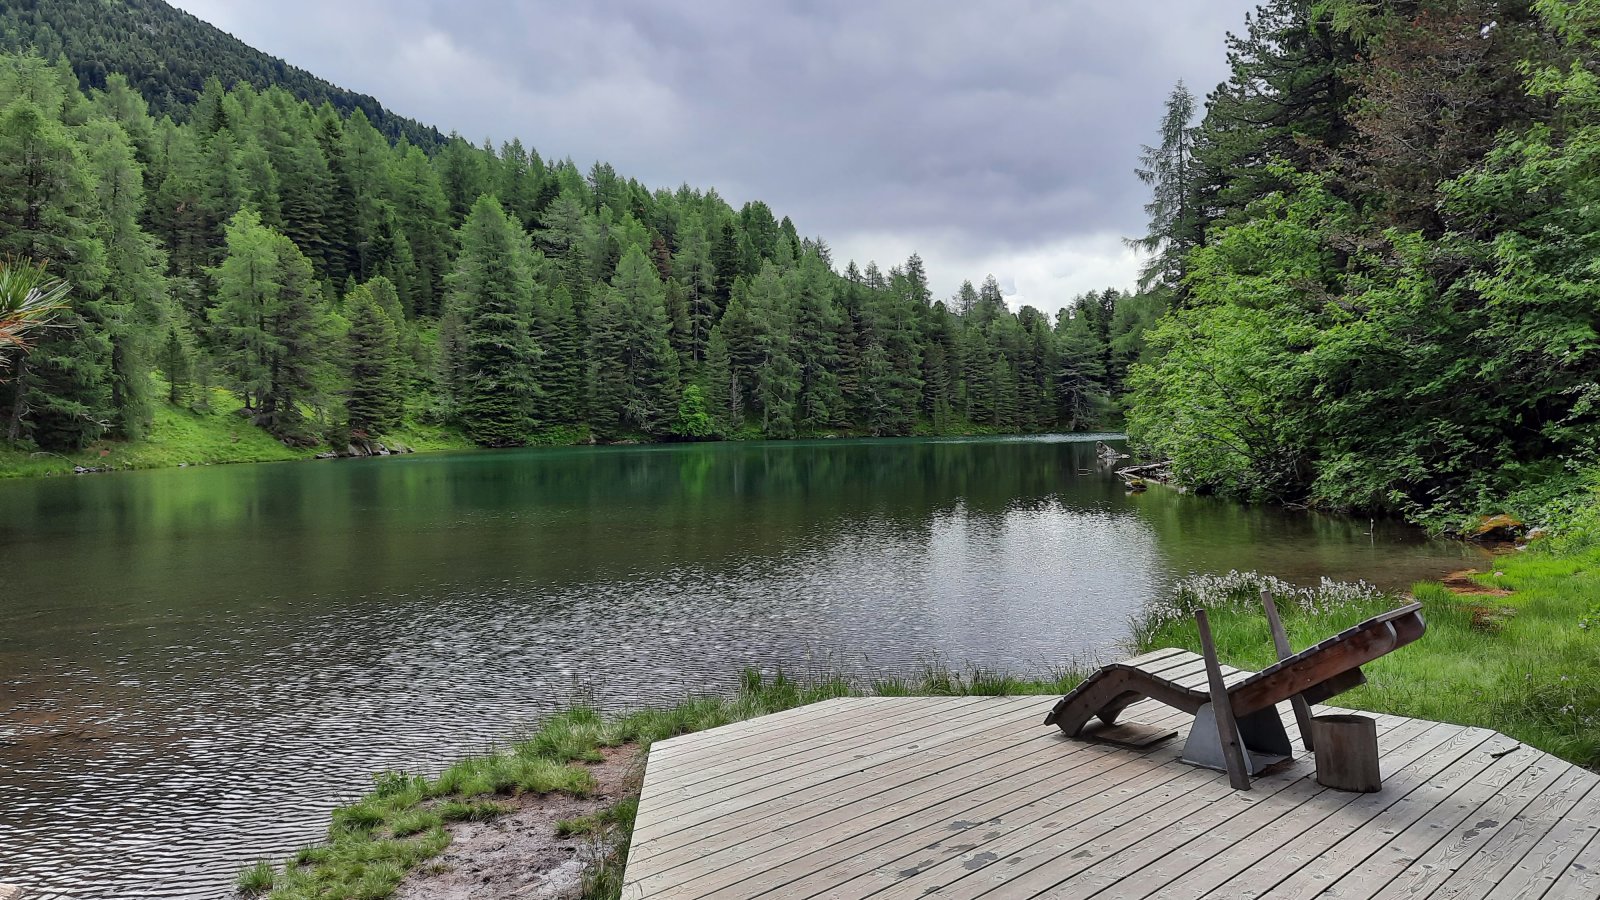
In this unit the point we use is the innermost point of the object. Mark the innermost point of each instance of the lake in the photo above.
(197, 664)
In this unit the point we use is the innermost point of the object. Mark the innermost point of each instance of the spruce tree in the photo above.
(633, 372)
(373, 400)
(492, 293)
(175, 359)
(1169, 170)
(561, 361)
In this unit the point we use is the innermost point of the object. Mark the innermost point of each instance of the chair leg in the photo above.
(1280, 642)
(1222, 709)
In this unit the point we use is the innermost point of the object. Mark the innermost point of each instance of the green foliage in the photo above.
(492, 299)
(1522, 665)
(240, 240)
(166, 54)
(270, 318)
(373, 400)
(1393, 309)
(694, 421)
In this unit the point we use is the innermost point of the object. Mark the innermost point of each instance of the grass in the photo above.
(1522, 664)
(399, 825)
(180, 436)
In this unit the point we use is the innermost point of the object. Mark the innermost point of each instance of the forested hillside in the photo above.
(167, 54)
(1380, 240)
(337, 285)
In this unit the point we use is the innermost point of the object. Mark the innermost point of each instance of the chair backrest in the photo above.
(1348, 650)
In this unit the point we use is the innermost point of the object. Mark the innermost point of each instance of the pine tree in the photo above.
(693, 268)
(720, 384)
(562, 362)
(135, 287)
(373, 400)
(633, 373)
(59, 395)
(817, 322)
(1169, 170)
(175, 359)
(492, 292)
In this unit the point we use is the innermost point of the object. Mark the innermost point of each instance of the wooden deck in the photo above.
(968, 797)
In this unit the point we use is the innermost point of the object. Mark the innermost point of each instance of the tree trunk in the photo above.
(18, 406)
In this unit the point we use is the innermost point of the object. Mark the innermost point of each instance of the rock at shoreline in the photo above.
(1496, 529)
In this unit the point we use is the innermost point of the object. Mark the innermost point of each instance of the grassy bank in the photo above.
(398, 826)
(1517, 652)
(180, 436)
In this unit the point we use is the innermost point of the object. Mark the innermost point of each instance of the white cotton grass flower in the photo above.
(1236, 588)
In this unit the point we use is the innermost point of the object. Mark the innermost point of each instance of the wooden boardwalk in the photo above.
(969, 797)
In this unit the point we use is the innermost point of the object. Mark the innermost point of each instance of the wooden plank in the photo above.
(970, 764)
(1199, 680)
(1459, 867)
(1153, 656)
(1161, 865)
(759, 730)
(1581, 880)
(664, 775)
(994, 795)
(1280, 643)
(820, 710)
(1462, 823)
(911, 868)
(811, 738)
(689, 805)
(1246, 864)
(837, 857)
(1544, 862)
(1135, 735)
(1060, 863)
(1169, 664)
(793, 739)
(1222, 709)
(1302, 867)
(821, 836)
(1039, 814)
(1294, 676)
(676, 811)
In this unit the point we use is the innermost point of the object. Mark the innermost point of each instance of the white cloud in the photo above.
(1045, 276)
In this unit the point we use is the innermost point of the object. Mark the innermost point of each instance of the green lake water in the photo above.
(196, 665)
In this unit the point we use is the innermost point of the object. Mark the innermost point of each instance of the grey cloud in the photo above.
(1016, 124)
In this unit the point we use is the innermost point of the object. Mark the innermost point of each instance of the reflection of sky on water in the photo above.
(198, 665)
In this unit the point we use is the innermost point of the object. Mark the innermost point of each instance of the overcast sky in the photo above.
(989, 137)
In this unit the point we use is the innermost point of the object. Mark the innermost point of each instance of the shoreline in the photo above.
(185, 439)
(1499, 641)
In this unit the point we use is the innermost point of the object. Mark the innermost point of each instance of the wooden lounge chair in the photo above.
(1237, 727)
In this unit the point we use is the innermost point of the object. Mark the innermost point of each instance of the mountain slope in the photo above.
(167, 54)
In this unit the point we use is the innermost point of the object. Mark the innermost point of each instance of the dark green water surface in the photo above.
(196, 665)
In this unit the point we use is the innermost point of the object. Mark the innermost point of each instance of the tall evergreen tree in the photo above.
(271, 326)
(372, 400)
(633, 373)
(60, 395)
(1169, 170)
(492, 293)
